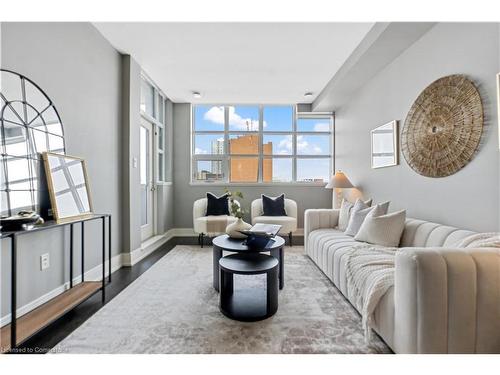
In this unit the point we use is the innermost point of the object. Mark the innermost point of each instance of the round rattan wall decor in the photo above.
(443, 128)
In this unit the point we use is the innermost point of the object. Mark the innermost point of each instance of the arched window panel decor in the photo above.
(30, 125)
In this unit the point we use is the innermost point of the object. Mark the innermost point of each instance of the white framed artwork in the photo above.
(384, 145)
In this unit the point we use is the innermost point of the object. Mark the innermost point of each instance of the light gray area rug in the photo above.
(173, 308)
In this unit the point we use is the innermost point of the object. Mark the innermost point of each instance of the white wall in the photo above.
(469, 198)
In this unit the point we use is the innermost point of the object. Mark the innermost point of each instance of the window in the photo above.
(260, 144)
(153, 109)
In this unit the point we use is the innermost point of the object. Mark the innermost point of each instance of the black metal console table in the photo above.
(22, 328)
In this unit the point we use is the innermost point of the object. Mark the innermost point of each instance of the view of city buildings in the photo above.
(241, 169)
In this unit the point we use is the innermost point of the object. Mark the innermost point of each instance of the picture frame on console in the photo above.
(68, 186)
(385, 145)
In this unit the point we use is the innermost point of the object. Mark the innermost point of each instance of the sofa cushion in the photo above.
(326, 247)
(380, 229)
(421, 233)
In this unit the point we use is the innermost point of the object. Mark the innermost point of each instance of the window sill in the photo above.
(256, 184)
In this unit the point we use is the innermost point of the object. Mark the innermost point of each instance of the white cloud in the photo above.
(302, 145)
(304, 148)
(236, 122)
(198, 150)
(215, 115)
(321, 127)
(285, 145)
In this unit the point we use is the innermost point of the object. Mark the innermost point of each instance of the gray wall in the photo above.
(131, 77)
(81, 73)
(469, 198)
(185, 194)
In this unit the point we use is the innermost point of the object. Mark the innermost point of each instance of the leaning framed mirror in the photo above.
(384, 145)
(68, 186)
(29, 125)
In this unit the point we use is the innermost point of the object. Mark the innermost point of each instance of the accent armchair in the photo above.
(288, 223)
(210, 225)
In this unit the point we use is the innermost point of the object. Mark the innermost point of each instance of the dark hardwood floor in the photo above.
(46, 339)
(50, 336)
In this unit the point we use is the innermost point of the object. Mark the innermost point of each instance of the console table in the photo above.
(22, 328)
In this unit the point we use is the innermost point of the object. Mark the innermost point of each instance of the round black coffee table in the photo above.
(252, 304)
(225, 243)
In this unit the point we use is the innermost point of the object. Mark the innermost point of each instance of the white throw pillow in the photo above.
(359, 213)
(345, 209)
(345, 213)
(380, 229)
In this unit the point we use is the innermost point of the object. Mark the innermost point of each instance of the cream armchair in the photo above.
(208, 225)
(288, 223)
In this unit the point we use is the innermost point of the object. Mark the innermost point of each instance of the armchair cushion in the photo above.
(217, 205)
(274, 206)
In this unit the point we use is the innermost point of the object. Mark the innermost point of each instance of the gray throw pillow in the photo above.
(345, 212)
(358, 215)
(380, 229)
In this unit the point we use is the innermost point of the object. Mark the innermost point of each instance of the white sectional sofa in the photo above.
(444, 299)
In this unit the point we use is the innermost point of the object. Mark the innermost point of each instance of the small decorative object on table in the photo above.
(234, 230)
(23, 220)
(260, 234)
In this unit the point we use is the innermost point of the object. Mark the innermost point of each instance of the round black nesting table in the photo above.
(252, 304)
(225, 243)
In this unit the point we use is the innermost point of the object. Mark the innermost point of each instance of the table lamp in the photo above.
(338, 182)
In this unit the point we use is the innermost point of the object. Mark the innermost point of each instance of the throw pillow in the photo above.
(345, 210)
(380, 229)
(358, 215)
(345, 213)
(273, 206)
(217, 205)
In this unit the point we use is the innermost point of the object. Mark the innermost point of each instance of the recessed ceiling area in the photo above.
(238, 62)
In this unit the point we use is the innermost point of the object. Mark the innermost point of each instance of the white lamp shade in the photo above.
(339, 181)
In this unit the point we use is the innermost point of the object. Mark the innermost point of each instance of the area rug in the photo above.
(173, 308)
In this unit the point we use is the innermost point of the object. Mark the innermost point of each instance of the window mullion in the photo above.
(294, 145)
(260, 174)
(226, 162)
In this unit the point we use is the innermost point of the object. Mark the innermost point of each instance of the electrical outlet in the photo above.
(44, 261)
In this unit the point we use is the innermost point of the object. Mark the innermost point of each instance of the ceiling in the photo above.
(237, 62)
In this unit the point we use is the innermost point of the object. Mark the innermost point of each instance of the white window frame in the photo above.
(226, 156)
(160, 99)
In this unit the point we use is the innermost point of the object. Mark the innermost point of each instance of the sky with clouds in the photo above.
(275, 119)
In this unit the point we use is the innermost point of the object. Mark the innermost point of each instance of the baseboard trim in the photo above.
(147, 247)
(94, 274)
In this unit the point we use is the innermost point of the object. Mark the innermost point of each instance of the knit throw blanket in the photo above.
(370, 274)
(480, 240)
